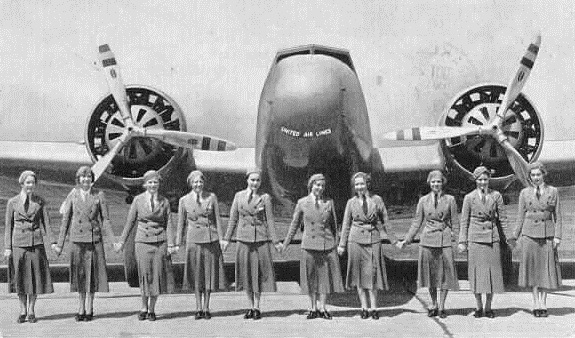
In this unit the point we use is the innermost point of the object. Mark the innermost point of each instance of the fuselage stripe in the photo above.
(527, 63)
(533, 48)
(108, 62)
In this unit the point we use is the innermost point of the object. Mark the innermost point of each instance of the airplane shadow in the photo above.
(60, 316)
(400, 292)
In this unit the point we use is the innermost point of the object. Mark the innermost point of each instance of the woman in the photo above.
(319, 266)
(539, 225)
(204, 264)
(251, 217)
(86, 216)
(27, 221)
(154, 240)
(437, 213)
(364, 215)
(480, 224)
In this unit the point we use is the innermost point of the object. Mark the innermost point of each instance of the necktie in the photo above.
(198, 198)
(538, 193)
(364, 206)
(27, 203)
(435, 200)
(483, 196)
(317, 202)
(152, 202)
(251, 196)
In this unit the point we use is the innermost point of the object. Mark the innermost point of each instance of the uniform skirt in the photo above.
(484, 268)
(366, 267)
(539, 265)
(436, 268)
(154, 268)
(30, 271)
(204, 267)
(254, 267)
(88, 268)
(320, 272)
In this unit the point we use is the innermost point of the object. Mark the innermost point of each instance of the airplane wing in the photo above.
(236, 161)
(407, 157)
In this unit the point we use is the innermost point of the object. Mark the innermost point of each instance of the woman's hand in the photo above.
(556, 242)
(118, 246)
(512, 242)
(279, 247)
(224, 244)
(7, 253)
(340, 250)
(400, 244)
(462, 247)
(57, 249)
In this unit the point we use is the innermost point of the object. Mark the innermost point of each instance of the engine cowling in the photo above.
(150, 108)
(477, 106)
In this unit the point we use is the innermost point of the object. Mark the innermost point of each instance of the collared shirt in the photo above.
(23, 196)
(149, 199)
(85, 193)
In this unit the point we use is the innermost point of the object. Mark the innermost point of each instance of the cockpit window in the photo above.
(340, 54)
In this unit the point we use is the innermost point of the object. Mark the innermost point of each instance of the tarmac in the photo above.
(403, 312)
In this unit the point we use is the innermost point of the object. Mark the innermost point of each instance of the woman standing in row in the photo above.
(481, 217)
(204, 265)
(365, 214)
(437, 214)
(251, 218)
(319, 266)
(85, 217)
(539, 224)
(150, 214)
(27, 222)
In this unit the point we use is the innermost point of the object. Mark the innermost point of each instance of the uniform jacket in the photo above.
(202, 219)
(437, 222)
(364, 228)
(152, 226)
(26, 228)
(479, 220)
(539, 217)
(319, 224)
(252, 220)
(85, 219)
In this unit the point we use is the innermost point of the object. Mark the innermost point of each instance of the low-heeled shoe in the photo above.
(478, 313)
(257, 314)
(432, 312)
(374, 314)
(249, 314)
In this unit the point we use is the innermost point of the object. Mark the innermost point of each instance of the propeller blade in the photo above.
(432, 133)
(99, 167)
(518, 81)
(189, 140)
(517, 162)
(115, 83)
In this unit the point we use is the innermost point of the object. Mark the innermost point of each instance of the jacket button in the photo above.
(80, 230)
(312, 237)
(312, 223)
(362, 231)
(23, 231)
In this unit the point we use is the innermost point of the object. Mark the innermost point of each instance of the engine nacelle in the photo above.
(477, 106)
(150, 108)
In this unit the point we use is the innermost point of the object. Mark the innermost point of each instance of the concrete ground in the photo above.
(403, 314)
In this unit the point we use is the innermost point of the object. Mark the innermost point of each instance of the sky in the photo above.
(212, 57)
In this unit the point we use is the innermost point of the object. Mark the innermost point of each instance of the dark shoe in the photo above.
(151, 316)
(257, 314)
(325, 314)
(199, 315)
(374, 314)
(249, 314)
(536, 313)
(490, 314)
(79, 317)
(21, 319)
(543, 313)
(207, 315)
(442, 314)
(142, 315)
(478, 313)
(432, 312)
(312, 314)
(364, 314)
(32, 319)
(88, 317)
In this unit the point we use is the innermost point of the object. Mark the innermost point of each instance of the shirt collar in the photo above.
(23, 196)
(148, 195)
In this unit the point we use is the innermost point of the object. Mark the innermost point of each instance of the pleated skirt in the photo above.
(30, 271)
(154, 268)
(88, 268)
(320, 272)
(204, 267)
(366, 267)
(484, 268)
(436, 268)
(254, 267)
(539, 265)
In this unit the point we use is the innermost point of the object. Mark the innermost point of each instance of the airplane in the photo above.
(312, 114)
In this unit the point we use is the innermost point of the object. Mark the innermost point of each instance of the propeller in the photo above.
(132, 129)
(494, 128)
